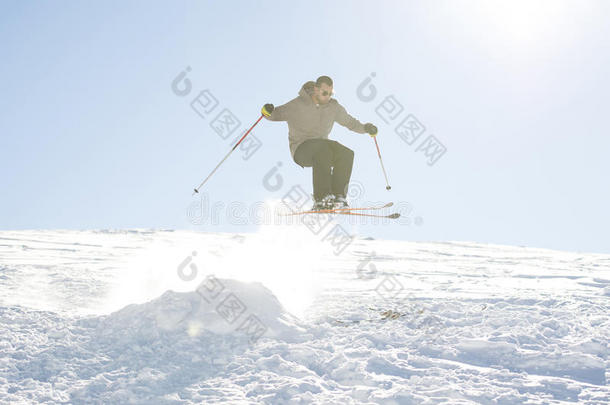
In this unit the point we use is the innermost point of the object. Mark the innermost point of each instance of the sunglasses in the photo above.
(326, 93)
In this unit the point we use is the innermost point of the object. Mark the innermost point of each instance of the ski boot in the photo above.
(326, 203)
(340, 202)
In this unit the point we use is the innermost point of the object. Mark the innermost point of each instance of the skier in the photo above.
(310, 118)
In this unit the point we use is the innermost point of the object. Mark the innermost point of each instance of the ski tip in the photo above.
(394, 215)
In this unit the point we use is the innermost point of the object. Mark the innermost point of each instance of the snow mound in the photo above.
(217, 306)
(174, 341)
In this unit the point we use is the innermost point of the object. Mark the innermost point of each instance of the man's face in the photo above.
(323, 93)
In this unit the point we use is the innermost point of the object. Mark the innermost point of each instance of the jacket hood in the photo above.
(307, 90)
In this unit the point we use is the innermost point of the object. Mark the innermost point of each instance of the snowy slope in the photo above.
(176, 317)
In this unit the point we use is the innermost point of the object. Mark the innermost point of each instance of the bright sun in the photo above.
(523, 24)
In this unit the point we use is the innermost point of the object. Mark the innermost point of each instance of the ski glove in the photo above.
(370, 129)
(267, 110)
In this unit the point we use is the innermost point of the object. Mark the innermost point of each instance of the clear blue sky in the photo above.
(92, 135)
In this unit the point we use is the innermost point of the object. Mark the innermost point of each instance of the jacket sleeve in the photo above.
(351, 123)
(282, 112)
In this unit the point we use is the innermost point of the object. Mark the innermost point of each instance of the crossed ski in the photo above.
(352, 211)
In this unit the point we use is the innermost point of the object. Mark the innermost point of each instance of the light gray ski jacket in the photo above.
(307, 120)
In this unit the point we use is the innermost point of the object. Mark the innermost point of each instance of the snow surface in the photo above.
(177, 317)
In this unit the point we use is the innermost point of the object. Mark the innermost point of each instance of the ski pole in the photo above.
(387, 187)
(228, 154)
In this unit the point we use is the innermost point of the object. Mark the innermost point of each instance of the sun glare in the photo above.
(523, 24)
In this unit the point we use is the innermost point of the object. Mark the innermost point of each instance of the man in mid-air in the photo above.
(310, 118)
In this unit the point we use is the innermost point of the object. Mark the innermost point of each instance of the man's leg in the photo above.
(343, 160)
(317, 154)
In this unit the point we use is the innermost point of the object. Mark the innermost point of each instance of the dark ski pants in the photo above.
(331, 163)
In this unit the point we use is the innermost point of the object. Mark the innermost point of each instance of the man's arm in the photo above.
(282, 112)
(351, 123)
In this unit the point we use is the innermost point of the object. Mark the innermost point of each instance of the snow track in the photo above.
(103, 317)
